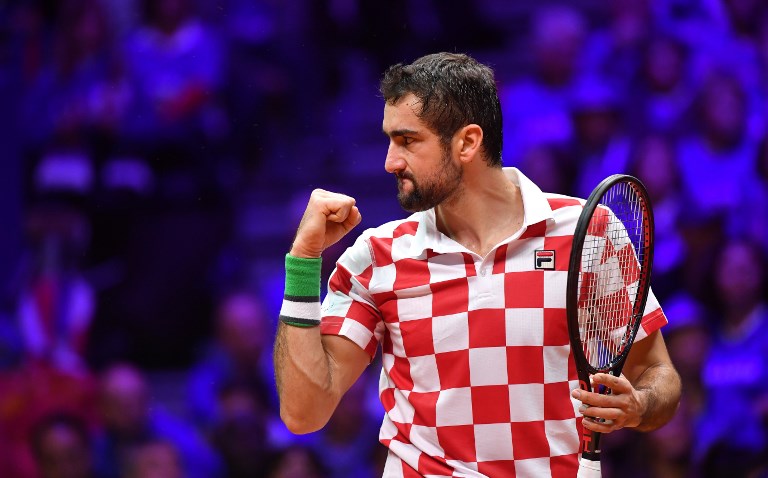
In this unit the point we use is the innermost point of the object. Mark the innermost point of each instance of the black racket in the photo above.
(608, 280)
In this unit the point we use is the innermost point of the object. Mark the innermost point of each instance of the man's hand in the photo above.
(624, 407)
(328, 217)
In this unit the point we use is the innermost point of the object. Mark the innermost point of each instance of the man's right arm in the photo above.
(313, 371)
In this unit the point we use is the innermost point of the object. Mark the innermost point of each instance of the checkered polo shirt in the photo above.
(477, 368)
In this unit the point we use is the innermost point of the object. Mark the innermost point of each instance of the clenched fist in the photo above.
(329, 217)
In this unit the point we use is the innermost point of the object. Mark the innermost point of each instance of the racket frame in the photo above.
(590, 441)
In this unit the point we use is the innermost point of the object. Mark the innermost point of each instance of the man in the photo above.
(477, 377)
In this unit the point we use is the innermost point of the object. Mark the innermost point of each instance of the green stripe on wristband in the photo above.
(302, 276)
(304, 323)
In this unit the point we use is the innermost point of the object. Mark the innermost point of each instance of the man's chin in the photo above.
(408, 203)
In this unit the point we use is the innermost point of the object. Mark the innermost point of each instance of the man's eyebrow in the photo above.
(399, 132)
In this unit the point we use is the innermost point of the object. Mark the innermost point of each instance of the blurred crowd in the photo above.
(157, 155)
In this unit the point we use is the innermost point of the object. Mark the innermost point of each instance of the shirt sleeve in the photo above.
(348, 309)
(653, 317)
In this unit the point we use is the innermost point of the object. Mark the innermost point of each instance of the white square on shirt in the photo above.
(589, 262)
(446, 267)
(403, 411)
(454, 407)
(424, 373)
(562, 436)
(532, 467)
(554, 289)
(493, 442)
(401, 247)
(524, 326)
(521, 258)
(486, 292)
(425, 439)
(609, 278)
(396, 337)
(556, 363)
(418, 306)
(383, 278)
(488, 366)
(526, 402)
(450, 332)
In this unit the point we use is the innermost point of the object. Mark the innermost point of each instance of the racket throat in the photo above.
(590, 445)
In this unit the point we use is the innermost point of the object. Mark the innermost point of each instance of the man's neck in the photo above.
(487, 210)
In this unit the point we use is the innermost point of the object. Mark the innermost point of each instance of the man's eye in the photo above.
(407, 140)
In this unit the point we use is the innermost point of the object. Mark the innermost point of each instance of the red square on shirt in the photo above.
(411, 273)
(555, 327)
(487, 328)
(453, 368)
(505, 468)
(400, 373)
(529, 440)
(433, 465)
(557, 403)
(490, 404)
(524, 289)
(450, 297)
(564, 465)
(417, 337)
(425, 405)
(460, 440)
(525, 364)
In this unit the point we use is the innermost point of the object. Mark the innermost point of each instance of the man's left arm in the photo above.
(644, 397)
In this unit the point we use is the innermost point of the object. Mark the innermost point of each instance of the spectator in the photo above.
(235, 358)
(535, 106)
(615, 51)
(80, 98)
(128, 420)
(56, 304)
(61, 445)
(295, 462)
(752, 218)
(600, 144)
(721, 145)
(348, 443)
(153, 459)
(689, 339)
(732, 437)
(175, 64)
(240, 432)
(663, 94)
(654, 161)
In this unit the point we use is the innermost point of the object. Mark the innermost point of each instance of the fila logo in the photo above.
(545, 260)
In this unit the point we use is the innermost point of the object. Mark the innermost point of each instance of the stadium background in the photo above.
(157, 155)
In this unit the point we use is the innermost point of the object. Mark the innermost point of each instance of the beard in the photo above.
(432, 190)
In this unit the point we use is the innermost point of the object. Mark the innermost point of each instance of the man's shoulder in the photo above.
(376, 243)
(394, 229)
(561, 201)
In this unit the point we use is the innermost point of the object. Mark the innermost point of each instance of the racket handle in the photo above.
(589, 468)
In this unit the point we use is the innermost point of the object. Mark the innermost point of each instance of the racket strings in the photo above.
(609, 277)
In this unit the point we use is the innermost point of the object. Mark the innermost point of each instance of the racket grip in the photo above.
(589, 468)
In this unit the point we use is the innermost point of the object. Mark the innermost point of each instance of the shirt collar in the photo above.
(535, 210)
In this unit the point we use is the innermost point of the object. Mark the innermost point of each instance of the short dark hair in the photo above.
(454, 90)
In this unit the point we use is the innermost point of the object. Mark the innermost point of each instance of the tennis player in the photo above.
(466, 298)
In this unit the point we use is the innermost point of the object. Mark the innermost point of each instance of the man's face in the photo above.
(426, 171)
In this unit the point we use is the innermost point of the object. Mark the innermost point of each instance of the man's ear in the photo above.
(469, 141)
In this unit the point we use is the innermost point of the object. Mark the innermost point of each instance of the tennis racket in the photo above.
(608, 280)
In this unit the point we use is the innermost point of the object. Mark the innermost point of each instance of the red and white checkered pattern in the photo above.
(477, 370)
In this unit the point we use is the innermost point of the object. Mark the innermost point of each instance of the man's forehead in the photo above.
(406, 109)
(410, 100)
